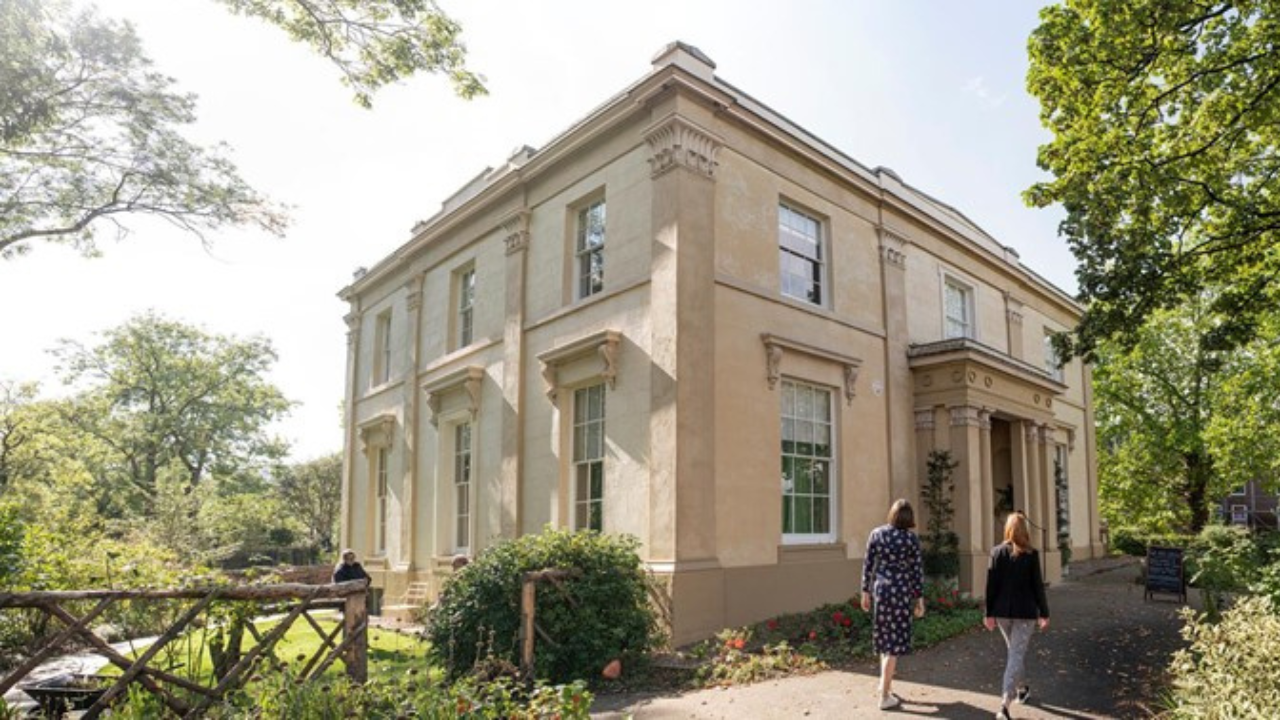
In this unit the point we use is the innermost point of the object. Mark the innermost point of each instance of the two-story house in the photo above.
(689, 320)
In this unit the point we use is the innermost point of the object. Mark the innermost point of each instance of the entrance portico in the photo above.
(995, 415)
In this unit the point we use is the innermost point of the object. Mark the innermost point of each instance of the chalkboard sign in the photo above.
(1164, 572)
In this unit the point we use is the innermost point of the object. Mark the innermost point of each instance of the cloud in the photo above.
(977, 86)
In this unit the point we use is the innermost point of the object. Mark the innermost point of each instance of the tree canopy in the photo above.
(1180, 424)
(91, 132)
(1165, 156)
(165, 401)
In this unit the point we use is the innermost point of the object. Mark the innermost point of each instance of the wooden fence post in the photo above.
(528, 605)
(355, 620)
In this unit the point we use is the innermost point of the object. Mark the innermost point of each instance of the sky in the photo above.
(932, 89)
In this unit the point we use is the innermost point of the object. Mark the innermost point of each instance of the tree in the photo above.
(373, 42)
(18, 430)
(166, 399)
(1179, 424)
(1165, 156)
(312, 493)
(90, 133)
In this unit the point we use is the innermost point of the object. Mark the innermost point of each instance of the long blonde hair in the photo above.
(1017, 534)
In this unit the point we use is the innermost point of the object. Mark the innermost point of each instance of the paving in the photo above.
(1103, 656)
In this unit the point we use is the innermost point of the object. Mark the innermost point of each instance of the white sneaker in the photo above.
(890, 702)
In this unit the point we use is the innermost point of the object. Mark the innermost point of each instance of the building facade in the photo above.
(688, 320)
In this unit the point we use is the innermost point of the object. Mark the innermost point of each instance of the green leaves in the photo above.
(1164, 155)
(1179, 422)
(373, 43)
(90, 132)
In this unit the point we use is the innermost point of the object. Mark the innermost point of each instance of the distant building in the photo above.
(689, 320)
(1251, 507)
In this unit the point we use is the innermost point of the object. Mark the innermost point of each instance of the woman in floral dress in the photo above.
(892, 582)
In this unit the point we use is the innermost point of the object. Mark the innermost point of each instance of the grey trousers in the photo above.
(1017, 636)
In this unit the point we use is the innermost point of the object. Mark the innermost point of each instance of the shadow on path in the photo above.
(1103, 656)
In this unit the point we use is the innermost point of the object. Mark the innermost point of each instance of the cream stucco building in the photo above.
(689, 320)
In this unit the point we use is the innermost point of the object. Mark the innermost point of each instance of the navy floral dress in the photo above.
(894, 575)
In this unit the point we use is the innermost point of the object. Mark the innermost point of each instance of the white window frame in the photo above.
(794, 222)
(382, 348)
(793, 414)
(466, 293)
(1052, 364)
(588, 458)
(381, 500)
(463, 487)
(590, 239)
(967, 291)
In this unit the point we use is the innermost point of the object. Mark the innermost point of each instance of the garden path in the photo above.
(1104, 656)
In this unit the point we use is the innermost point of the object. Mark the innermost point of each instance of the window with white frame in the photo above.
(466, 291)
(462, 488)
(382, 348)
(801, 256)
(589, 249)
(588, 458)
(1052, 363)
(380, 501)
(808, 456)
(957, 309)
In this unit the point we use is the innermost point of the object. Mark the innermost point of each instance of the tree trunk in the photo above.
(1199, 472)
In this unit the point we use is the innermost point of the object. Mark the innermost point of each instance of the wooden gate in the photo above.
(292, 601)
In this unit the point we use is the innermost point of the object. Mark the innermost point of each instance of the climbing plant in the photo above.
(941, 544)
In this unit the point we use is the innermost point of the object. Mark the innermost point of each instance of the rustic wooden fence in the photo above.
(290, 601)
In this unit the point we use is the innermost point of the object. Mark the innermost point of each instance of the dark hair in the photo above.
(901, 515)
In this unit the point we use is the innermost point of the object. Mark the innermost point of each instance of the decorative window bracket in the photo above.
(377, 432)
(605, 344)
(776, 347)
(470, 379)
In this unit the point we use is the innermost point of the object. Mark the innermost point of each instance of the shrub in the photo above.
(602, 614)
(1229, 669)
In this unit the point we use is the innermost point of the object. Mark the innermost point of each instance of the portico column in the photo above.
(966, 451)
(1035, 479)
(987, 497)
(1020, 464)
(1049, 506)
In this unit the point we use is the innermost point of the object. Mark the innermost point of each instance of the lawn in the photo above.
(390, 653)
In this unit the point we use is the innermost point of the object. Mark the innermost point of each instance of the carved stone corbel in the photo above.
(469, 379)
(775, 349)
(376, 432)
(606, 345)
(515, 231)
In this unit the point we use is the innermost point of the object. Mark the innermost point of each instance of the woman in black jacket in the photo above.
(1016, 604)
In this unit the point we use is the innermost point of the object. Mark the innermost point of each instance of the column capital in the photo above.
(352, 319)
(515, 231)
(677, 142)
(893, 248)
(1032, 430)
(984, 419)
(924, 419)
(962, 415)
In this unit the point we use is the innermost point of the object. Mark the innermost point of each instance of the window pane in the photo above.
(788, 399)
(788, 475)
(597, 480)
(582, 490)
(788, 524)
(804, 404)
(804, 477)
(821, 515)
(596, 521)
(581, 516)
(821, 480)
(804, 515)
(596, 402)
(579, 443)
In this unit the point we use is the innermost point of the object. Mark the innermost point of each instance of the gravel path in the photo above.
(1103, 657)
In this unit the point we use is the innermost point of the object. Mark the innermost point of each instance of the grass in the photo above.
(390, 653)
